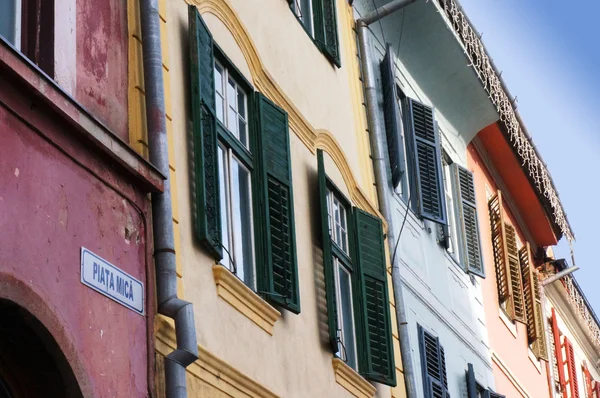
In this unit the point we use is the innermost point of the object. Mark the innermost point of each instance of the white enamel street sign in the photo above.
(112, 282)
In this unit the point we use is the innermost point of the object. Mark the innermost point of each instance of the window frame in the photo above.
(235, 150)
(345, 260)
(451, 203)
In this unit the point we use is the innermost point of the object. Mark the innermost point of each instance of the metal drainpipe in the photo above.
(162, 213)
(383, 182)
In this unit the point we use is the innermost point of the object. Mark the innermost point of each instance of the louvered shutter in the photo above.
(208, 226)
(328, 270)
(596, 389)
(433, 363)
(393, 117)
(560, 365)
(506, 260)
(470, 246)
(495, 395)
(425, 158)
(515, 275)
(573, 384)
(589, 391)
(471, 383)
(325, 27)
(378, 364)
(281, 276)
(533, 304)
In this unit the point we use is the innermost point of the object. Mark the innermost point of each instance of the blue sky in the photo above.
(549, 54)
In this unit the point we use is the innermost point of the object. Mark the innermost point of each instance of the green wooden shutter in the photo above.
(470, 246)
(378, 363)
(393, 117)
(427, 184)
(281, 276)
(433, 364)
(327, 256)
(208, 225)
(325, 25)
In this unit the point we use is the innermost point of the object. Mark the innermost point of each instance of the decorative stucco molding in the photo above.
(311, 137)
(352, 381)
(492, 83)
(211, 370)
(231, 289)
(581, 309)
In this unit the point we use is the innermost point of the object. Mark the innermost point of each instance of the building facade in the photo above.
(279, 243)
(73, 198)
(432, 104)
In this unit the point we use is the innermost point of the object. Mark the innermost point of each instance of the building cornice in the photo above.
(521, 142)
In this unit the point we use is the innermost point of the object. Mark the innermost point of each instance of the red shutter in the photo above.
(559, 355)
(597, 389)
(573, 385)
(589, 392)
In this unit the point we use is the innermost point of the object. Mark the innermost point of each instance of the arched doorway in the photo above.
(31, 362)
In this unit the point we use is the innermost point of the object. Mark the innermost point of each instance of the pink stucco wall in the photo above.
(512, 350)
(57, 195)
(102, 56)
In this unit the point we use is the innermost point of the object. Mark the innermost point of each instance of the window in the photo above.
(449, 233)
(422, 144)
(354, 265)
(29, 26)
(476, 390)
(243, 180)
(533, 304)
(318, 17)
(506, 261)
(565, 361)
(338, 231)
(433, 365)
(235, 166)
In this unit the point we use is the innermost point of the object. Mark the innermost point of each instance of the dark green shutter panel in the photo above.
(378, 364)
(208, 220)
(325, 24)
(327, 256)
(433, 362)
(393, 117)
(467, 208)
(425, 155)
(276, 169)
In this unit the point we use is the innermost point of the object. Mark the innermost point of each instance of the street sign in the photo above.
(112, 282)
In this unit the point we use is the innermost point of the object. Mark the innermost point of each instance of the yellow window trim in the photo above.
(354, 383)
(208, 368)
(231, 289)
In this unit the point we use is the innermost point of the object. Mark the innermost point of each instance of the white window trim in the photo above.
(337, 267)
(227, 105)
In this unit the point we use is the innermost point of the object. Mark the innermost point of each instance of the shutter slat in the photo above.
(393, 117)
(558, 352)
(425, 156)
(471, 245)
(328, 271)
(207, 209)
(371, 268)
(281, 277)
(325, 28)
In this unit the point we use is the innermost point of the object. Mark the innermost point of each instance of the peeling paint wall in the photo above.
(101, 70)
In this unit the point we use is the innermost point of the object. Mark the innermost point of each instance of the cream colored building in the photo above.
(263, 312)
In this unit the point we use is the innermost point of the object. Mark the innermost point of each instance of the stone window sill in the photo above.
(354, 383)
(512, 327)
(231, 289)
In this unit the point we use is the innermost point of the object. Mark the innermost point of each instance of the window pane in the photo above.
(219, 100)
(241, 208)
(10, 21)
(241, 108)
(348, 348)
(224, 203)
(232, 122)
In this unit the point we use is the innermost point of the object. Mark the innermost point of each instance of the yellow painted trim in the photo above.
(311, 137)
(231, 289)
(510, 375)
(348, 378)
(210, 369)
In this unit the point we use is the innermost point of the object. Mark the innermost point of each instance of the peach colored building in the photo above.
(516, 228)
